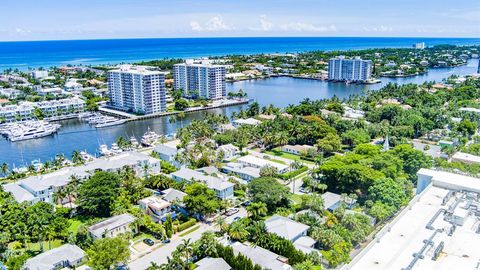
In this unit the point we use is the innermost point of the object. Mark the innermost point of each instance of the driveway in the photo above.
(241, 213)
(159, 255)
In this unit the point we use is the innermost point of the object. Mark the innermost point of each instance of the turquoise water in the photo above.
(23, 55)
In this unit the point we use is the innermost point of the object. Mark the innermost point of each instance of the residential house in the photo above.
(298, 149)
(286, 228)
(247, 173)
(466, 158)
(64, 256)
(249, 122)
(173, 195)
(168, 151)
(222, 188)
(256, 162)
(332, 201)
(229, 151)
(112, 227)
(156, 207)
(212, 264)
(263, 257)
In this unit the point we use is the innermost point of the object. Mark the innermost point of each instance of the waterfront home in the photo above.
(42, 187)
(39, 74)
(168, 151)
(223, 189)
(156, 207)
(212, 263)
(298, 149)
(65, 256)
(245, 172)
(263, 257)
(229, 151)
(112, 226)
(332, 201)
(256, 162)
(248, 122)
(224, 127)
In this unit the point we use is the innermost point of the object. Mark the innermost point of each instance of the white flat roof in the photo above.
(404, 236)
(260, 162)
(460, 156)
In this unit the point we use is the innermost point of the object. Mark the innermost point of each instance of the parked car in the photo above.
(166, 241)
(236, 218)
(148, 241)
(232, 211)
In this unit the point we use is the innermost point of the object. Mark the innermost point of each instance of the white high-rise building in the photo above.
(420, 45)
(200, 78)
(352, 70)
(137, 89)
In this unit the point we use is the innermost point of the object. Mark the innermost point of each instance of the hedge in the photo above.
(292, 174)
(186, 225)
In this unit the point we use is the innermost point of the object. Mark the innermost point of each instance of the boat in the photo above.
(149, 138)
(85, 156)
(134, 142)
(115, 149)
(31, 130)
(103, 149)
(111, 122)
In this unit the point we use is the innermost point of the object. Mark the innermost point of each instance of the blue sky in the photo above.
(89, 19)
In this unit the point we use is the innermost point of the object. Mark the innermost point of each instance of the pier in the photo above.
(132, 117)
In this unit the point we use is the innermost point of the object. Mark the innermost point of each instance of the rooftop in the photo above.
(50, 259)
(155, 202)
(211, 181)
(172, 194)
(285, 227)
(109, 224)
(260, 162)
(264, 258)
(248, 121)
(212, 263)
(464, 157)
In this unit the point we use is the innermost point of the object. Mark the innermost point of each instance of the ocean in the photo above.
(34, 54)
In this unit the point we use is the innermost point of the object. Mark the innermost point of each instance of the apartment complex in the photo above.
(351, 70)
(200, 78)
(25, 110)
(137, 89)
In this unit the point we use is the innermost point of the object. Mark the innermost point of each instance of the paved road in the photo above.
(159, 255)
(241, 213)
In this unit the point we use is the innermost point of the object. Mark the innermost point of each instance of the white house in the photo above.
(245, 172)
(263, 257)
(168, 151)
(248, 122)
(286, 228)
(112, 227)
(223, 189)
(156, 207)
(229, 151)
(466, 158)
(58, 258)
(297, 149)
(255, 162)
(332, 201)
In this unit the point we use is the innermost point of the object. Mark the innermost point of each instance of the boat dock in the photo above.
(133, 117)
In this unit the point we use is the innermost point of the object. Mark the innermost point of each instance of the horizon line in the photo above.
(229, 37)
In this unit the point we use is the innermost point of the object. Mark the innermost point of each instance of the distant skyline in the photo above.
(107, 19)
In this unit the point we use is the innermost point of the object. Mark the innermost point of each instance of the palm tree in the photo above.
(221, 224)
(257, 210)
(31, 169)
(186, 248)
(50, 235)
(4, 168)
(237, 231)
(59, 195)
(77, 158)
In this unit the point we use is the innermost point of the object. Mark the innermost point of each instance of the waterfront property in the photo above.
(263, 257)
(222, 188)
(248, 122)
(350, 70)
(112, 227)
(200, 78)
(65, 256)
(42, 187)
(137, 89)
(439, 227)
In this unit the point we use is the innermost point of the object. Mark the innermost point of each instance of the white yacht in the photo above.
(110, 122)
(149, 138)
(134, 142)
(115, 149)
(31, 130)
(104, 150)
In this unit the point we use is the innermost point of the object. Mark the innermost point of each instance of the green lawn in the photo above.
(191, 230)
(35, 247)
(74, 225)
(278, 153)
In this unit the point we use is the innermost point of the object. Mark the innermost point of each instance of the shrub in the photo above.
(186, 225)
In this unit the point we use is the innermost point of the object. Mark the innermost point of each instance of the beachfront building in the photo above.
(438, 229)
(222, 188)
(137, 89)
(112, 227)
(349, 70)
(65, 256)
(200, 78)
(419, 45)
(38, 188)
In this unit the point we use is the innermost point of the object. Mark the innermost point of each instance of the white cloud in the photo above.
(215, 24)
(381, 28)
(265, 24)
(307, 27)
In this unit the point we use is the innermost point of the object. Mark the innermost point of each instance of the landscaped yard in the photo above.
(35, 247)
(278, 153)
(297, 198)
